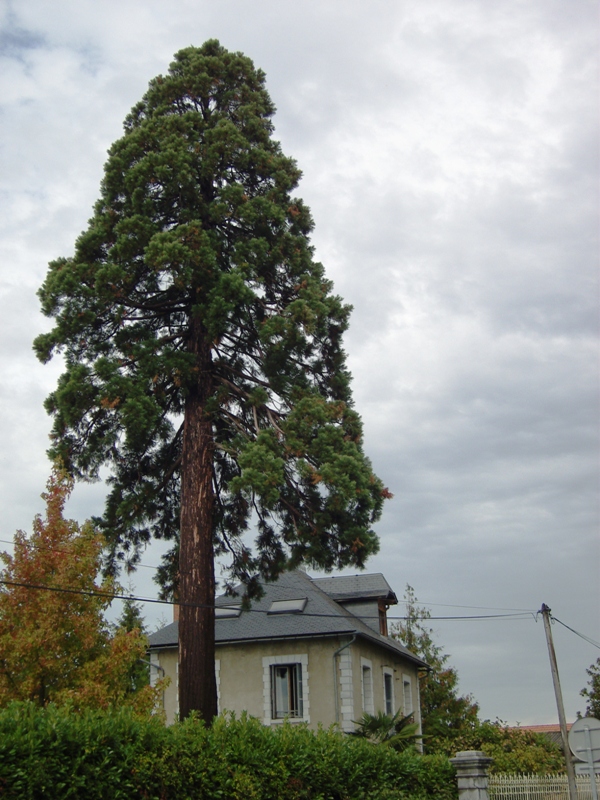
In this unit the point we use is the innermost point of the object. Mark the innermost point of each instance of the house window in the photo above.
(407, 695)
(285, 685)
(155, 668)
(388, 691)
(367, 686)
(218, 681)
(286, 691)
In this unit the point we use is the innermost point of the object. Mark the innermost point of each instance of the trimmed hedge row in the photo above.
(56, 753)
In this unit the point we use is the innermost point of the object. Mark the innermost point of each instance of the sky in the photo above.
(449, 151)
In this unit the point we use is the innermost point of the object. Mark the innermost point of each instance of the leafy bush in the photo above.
(55, 752)
(513, 750)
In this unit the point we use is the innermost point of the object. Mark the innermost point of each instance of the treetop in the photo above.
(196, 277)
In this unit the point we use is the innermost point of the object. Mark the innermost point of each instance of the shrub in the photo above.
(56, 752)
(513, 750)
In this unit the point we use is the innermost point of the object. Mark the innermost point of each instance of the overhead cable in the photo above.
(117, 596)
(581, 635)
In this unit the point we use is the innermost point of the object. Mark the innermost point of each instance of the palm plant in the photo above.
(380, 728)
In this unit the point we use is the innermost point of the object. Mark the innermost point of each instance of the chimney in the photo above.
(382, 607)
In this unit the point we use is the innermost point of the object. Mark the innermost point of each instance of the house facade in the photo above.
(310, 650)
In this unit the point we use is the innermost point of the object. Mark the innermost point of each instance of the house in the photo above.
(314, 650)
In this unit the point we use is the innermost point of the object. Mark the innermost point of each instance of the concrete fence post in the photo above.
(472, 774)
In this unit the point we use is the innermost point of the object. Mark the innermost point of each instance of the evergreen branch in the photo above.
(243, 375)
(236, 421)
(270, 413)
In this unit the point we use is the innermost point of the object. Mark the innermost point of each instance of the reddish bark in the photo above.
(197, 684)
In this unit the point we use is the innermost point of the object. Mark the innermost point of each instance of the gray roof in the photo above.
(357, 587)
(322, 616)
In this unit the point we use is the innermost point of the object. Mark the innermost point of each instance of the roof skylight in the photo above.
(227, 612)
(288, 606)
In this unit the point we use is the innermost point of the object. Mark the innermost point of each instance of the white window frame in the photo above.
(409, 708)
(285, 660)
(366, 686)
(177, 687)
(155, 668)
(388, 671)
(218, 682)
(346, 688)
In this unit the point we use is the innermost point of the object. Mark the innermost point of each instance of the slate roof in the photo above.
(357, 587)
(322, 616)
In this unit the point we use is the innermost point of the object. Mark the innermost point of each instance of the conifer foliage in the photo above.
(446, 714)
(592, 691)
(203, 357)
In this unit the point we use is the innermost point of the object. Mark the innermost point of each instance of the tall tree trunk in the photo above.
(197, 684)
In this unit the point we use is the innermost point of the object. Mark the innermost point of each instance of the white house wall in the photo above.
(241, 674)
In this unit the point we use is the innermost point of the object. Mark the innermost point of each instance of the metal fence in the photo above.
(536, 787)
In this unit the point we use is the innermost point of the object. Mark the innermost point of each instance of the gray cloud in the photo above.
(450, 161)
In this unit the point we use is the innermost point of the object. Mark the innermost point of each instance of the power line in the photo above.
(513, 613)
(91, 593)
(476, 608)
(133, 567)
(116, 596)
(128, 568)
(581, 635)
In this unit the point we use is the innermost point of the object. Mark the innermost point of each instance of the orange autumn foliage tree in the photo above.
(55, 645)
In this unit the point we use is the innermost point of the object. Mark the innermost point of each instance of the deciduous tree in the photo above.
(203, 357)
(55, 644)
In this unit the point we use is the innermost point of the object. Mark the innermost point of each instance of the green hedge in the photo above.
(57, 753)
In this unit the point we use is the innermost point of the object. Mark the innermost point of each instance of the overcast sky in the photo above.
(450, 159)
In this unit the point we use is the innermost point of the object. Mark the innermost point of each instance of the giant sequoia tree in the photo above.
(203, 358)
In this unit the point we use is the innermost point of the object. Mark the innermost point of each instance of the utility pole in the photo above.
(545, 612)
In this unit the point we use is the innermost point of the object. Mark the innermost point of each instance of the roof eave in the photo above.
(312, 635)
